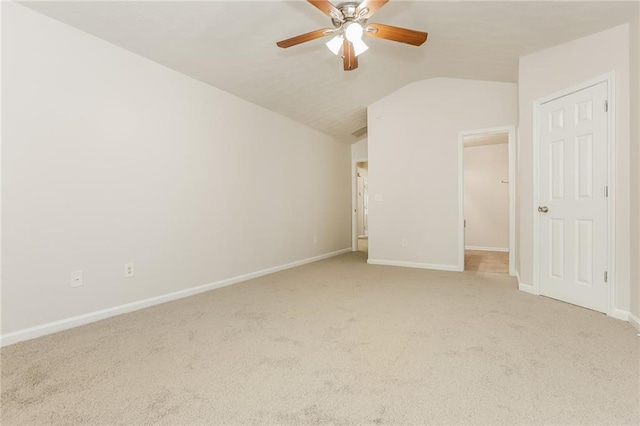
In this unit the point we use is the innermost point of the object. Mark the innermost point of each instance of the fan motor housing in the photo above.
(348, 9)
(349, 14)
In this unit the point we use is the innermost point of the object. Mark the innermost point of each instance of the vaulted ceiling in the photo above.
(231, 45)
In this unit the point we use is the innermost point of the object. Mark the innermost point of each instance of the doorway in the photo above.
(572, 226)
(487, 200)
(362, 206)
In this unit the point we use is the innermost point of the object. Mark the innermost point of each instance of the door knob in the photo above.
(543, 209)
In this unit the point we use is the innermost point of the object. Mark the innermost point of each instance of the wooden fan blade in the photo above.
(303, 38)
(349, 58)
(326, 7)
(402, 35)
(372, 5)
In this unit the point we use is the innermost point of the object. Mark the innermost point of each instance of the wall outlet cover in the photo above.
(129, 270)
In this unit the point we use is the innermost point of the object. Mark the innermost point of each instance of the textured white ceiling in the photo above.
(231, 45)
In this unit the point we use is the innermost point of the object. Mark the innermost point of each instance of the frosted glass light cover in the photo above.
(353, 32)
(359, 46)
(335, 44)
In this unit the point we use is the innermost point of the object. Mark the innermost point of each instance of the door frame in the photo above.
(354, 201)
(608, 78)
(511, 144)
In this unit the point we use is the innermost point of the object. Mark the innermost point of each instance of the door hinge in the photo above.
(606, 191)
(606, 106)
(606, 276)
(465, 223)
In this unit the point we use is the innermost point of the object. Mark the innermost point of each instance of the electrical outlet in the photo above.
(315, 239)
(76, 279)
(129, 271)
(405, 242)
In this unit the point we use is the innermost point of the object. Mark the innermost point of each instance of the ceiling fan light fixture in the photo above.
(353, 32)
(335, 44)
(350, 20)
(359, 46)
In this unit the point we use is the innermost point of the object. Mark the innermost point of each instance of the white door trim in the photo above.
(609, 78)
(354, 201)
(511, 130)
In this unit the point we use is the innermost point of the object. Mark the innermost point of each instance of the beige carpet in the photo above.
(335, 342)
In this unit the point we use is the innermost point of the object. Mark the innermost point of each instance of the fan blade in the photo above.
(402, 35)
(303, 38)
(372, 5)
(327, 8)
(350, 60)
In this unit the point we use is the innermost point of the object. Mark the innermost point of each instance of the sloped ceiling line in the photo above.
(231, 45)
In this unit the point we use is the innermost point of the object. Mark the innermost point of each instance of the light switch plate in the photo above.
(76, 279)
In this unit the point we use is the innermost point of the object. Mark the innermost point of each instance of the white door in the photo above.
(573, 160)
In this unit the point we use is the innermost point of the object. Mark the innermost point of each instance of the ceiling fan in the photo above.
(350, 23)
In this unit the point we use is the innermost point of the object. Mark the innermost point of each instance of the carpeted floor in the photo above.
(335, 342)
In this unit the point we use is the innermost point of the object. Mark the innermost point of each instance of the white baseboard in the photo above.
(634, 321)
(454, 268)
(478, 248)
(65, 324)
(621, 315)
(527, 288)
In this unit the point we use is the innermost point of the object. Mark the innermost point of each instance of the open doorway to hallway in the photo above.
(362, 206)
(486, 202)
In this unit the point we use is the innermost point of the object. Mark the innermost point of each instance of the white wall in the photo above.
(486, 198)
(359, 150)
(110, 158)
(413, 166)
(547, 72)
